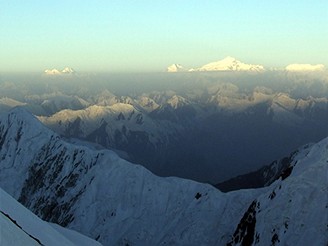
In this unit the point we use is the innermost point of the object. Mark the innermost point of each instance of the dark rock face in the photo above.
(274, 239)
(198, 195)
(286, 172)
(245, 232)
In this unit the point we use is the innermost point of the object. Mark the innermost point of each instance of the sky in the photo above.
(149, 35)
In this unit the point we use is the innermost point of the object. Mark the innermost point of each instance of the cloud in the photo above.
(305, 67)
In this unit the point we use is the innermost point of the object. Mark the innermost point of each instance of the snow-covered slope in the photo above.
(232, 64)
(7, 103)
(147, 104)
(108, 125)
(294, 209)
(229, 64)
(54, 102)
(119, 203)
(103, 196)
(10, 102)
(283, 109)
(19, 226)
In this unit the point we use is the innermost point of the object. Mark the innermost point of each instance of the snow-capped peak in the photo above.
(65, 71)
(177, 101)
(52, 72)
(229, 64)
(175, 68)
(68, 70)
(229, 59)
(304, 67)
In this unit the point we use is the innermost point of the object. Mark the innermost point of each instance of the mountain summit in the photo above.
(229, 64)
(66, 70)
(175, 68)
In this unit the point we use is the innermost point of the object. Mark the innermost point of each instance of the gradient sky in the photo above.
(149, 35)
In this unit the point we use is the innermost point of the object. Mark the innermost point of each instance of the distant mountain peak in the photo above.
(229, 64)
(175, 68)
(68, 70)
(229, 59)
(52, 72)
(65, 71)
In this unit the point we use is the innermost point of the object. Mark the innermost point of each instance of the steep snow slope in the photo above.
(19, 226)
(294, 209)
(105, 197)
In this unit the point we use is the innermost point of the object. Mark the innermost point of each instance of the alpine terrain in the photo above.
(222, 120)
(100, 195)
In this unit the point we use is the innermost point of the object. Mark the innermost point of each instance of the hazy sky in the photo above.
(149, 35)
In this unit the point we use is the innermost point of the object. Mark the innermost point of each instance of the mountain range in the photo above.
(226, 64)
(97, 193)
(232, 64)
(65, 71)
(164, 125)
(207, 127)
